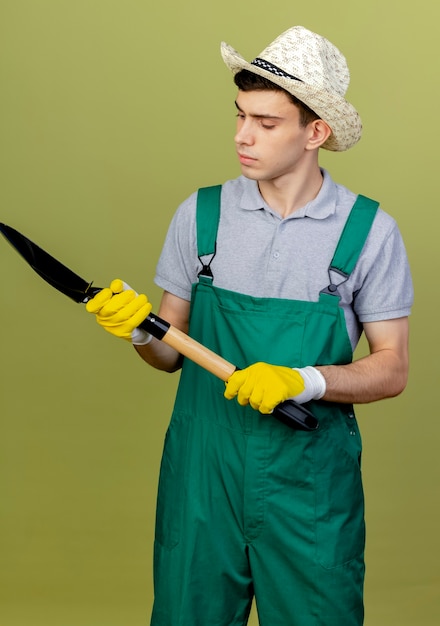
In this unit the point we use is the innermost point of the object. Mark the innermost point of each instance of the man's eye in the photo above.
(268, 126)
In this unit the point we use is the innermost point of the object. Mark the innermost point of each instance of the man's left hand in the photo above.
(264, 386)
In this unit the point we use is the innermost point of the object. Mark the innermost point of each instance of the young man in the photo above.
(281, 282)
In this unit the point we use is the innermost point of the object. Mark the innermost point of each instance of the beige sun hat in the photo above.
(312, 69)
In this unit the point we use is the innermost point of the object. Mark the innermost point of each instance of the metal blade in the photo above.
(49, 268)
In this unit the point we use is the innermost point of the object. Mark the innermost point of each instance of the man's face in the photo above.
(270, 141)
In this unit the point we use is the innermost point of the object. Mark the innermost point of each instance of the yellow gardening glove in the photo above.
(263, 386)
(120, 310)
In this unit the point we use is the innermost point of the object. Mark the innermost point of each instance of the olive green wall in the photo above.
(111, 113)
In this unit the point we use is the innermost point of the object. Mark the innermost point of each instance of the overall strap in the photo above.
(351, 242)
(207, 219)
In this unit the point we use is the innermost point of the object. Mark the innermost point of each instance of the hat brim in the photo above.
(339, 114)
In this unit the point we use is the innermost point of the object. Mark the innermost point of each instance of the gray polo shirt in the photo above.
(263, 255)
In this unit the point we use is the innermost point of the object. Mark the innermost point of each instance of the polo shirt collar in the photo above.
(319, 208)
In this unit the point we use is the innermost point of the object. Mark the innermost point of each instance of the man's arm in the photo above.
(381, 374)
(157, 353)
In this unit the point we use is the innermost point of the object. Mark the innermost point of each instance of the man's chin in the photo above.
(248, 173)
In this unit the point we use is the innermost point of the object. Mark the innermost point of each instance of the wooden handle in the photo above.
(288, 412)
(196, 352)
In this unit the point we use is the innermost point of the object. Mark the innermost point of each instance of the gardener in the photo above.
(281, 283)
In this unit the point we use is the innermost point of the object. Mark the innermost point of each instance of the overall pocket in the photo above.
(339, 502)
(170, 495)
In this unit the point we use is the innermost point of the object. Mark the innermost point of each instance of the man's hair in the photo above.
(248, 81)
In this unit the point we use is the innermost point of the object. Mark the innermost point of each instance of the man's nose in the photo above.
(244, 134)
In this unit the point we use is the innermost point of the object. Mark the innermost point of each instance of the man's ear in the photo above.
(320, 131)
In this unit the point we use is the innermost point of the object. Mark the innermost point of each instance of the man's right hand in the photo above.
(120, 310)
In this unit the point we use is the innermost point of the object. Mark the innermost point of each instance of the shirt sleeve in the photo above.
(178, 263)
(386, 291)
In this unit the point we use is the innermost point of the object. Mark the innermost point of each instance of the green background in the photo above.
(111, 113)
